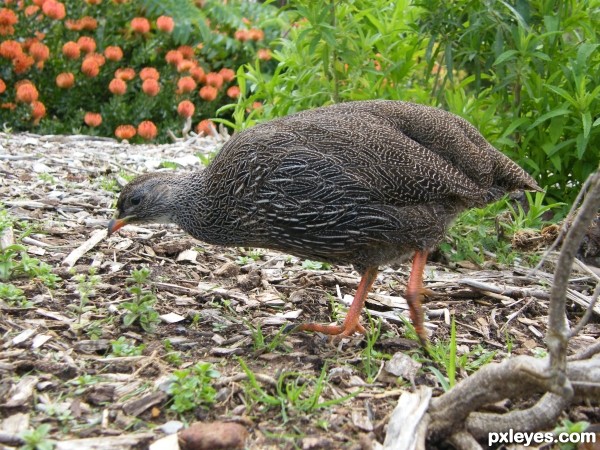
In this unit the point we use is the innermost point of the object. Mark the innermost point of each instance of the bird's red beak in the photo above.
(115, 224)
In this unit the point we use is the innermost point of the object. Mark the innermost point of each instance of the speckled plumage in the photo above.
(362, 183)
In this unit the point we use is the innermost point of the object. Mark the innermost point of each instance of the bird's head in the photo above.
(147, 199)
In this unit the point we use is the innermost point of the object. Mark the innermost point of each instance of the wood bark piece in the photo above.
(123, 442)
(97, 236)
(404, 432)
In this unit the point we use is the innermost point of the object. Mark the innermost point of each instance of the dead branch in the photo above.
(557, 336)
(453, 414)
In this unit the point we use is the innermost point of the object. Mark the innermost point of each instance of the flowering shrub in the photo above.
(118, 68)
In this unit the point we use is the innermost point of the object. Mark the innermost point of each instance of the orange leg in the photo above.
(351, 324)
(414, 293)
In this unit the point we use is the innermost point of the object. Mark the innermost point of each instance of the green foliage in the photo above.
(13, 296)
(37, 439)
(566, 426)
(192, 388)
(444, 354)
(123, 347)
(371, 358)
(337, 51)
(530, 80)
(260, 342)
(294, 392)
(315, 265)
(140, 309)
(15, 262)
(86, 285)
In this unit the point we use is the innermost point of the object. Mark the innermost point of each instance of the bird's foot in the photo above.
(345, 330)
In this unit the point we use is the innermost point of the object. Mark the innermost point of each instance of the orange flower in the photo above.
(147, 130)
(92, 119)
(125, 74)
(38, 110)
(113, 53)
(22, 63)
(39, 51)
(241, 35)
(99, 58)
(185, 109)
(140, 25)
(71, 50)
(198, 74)
(8, 105)
(151, 87)
(38, 2)
(256, 34)
(205, 127)
(90, 67)
(208, 93)
(93, 2)
(257, 105)
(227, 74)
(88, 23)
(117, 86)
(2, 86)
(26, 92)
(186, 51)
(54, 9)
(31, 10)
(264, 54)
(10, 49)
(233, 92)
(173, 57)
(7, 30)
(125, 131)
(149, 73)
(214, 79)
(185, 85)
(7, 17)
(65, 80)
(86, 44)
(185, 65)
(165, 24)
(73, 25)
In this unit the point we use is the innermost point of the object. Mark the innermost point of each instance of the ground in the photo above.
(69, 360)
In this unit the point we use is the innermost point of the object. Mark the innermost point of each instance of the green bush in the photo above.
(527, 74)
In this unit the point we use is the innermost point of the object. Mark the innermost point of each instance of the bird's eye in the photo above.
(135, 201)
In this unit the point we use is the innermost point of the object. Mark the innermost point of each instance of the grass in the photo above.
(294, 393)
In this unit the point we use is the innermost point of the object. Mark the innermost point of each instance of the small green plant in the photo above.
(86, 285)
(8, 263)
(568, 427)
(259, 341)
(294, 392)
(109, 184)
(34, 268)
(83, 382)
(372, 359)
(13, 296)
(315, 265)
(37, 439)
(533, 218)
(123, 347)
(172, 356)
(169, 165)
(192, 388)
(47, 178)
(140, 309)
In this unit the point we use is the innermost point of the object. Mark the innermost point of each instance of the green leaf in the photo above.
(505, 56)
(586, 120)
(549, 115)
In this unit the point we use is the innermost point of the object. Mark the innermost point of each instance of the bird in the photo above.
(366, 183)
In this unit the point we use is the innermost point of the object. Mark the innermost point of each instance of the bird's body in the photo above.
(362, 183)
